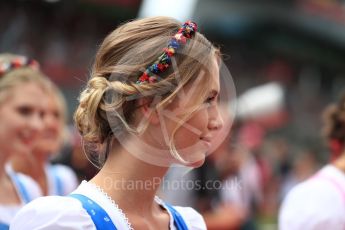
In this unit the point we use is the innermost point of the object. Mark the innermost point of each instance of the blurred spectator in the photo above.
(23, 88)
(304, 166)
(318, 203)
(241, 183)
(53, 179)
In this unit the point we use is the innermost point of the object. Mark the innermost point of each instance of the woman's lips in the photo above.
(207, 141)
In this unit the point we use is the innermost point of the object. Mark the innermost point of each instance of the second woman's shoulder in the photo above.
(53, 212)
(313, 204)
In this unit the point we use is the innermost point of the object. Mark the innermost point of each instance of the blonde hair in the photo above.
(60, 101)
(18, 76)
(61, 105)
(106, 103)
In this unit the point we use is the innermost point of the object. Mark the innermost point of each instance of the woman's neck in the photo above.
(33, 167)
(28, 165)
(8, 193)
(340, 162)
(130, 182)
(3, 161)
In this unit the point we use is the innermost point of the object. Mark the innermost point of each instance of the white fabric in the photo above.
(67, 213)
(67, 177)
(316, 204)
(7, 212)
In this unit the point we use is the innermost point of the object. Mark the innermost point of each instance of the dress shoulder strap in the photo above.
(4, 226)
(57, 180)
(98, 215)
(23, 192)
(179, 222)
(102, 220)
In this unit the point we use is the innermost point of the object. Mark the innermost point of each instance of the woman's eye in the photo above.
(25, 110)
(56, 115)
(210, 100)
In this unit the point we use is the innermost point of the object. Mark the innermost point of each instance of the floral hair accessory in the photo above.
(16, 63)
(164, 60)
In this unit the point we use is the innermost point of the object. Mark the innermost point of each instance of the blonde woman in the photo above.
(54, 179)
(151, 101)
(22, 93)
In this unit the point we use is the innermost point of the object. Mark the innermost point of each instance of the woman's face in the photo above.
(193, 138)
(21, 119)
(50, 138)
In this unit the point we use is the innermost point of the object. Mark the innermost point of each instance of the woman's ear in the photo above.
(147, 109)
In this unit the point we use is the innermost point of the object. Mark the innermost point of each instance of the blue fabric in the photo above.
(98, 215)
(4, 226)
(21, 188)
(178, 220)
(102, 221)
(57, 180)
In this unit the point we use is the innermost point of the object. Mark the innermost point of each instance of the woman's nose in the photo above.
(216, 121)
(36, 123)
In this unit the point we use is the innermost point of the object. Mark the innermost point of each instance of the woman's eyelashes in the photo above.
(25, 110)
(56, 115)
(212, 98)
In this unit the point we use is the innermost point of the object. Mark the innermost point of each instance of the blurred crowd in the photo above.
(268, 151)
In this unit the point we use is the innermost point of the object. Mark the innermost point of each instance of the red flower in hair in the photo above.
(144, 77)
(180, 38)
(152, 79)
(169, 51)
(161, 67)
(17, 63)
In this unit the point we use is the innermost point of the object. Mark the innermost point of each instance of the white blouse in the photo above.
(316, 204)
(32, 191)
(55, 212)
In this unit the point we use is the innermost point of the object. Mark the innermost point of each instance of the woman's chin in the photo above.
(196, 164)
(46, 147)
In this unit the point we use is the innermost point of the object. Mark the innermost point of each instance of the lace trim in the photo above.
(113, 203)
